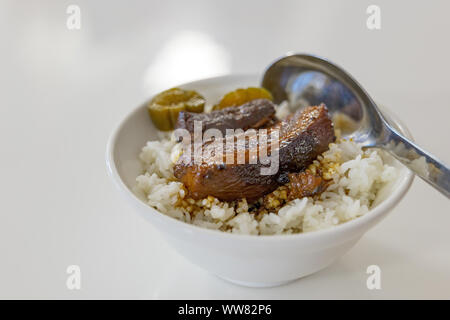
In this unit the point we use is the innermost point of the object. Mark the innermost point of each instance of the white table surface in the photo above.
(63, 91)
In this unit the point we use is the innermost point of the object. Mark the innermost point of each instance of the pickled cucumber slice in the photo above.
(240, 96)
(165, 107)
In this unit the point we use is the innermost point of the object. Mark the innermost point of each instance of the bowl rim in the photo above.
(387, 204)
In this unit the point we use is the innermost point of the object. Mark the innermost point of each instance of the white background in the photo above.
(62, 92)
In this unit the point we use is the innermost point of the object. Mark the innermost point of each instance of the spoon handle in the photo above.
(425, 165)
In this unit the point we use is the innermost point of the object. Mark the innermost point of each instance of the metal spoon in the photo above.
(304, 80)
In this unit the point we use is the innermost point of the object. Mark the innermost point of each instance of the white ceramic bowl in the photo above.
(243, 259)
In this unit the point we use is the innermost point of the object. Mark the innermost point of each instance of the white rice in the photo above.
(358, 178)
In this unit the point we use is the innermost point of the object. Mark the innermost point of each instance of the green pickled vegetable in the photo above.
(165, 107)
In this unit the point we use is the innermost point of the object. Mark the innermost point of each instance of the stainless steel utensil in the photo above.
(306, 80)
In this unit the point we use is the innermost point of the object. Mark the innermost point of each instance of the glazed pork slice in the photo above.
(302, 138)
(254, 114)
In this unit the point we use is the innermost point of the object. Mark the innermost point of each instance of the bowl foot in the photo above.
(257, 284)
